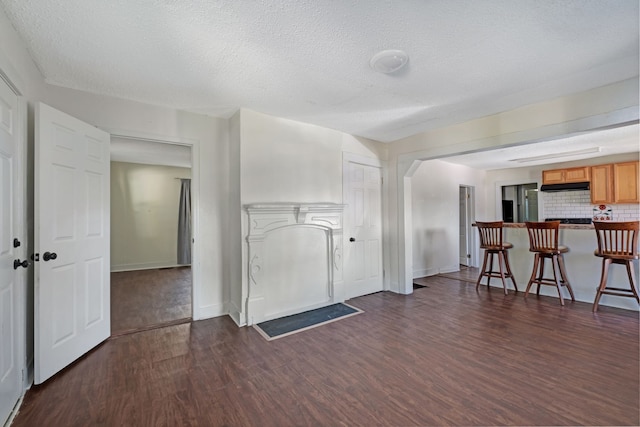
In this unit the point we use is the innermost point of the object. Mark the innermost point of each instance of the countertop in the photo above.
(562, 226)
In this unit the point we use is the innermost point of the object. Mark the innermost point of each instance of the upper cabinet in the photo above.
(564, 176)
(615, 183)
(625, 182)
(601, 184)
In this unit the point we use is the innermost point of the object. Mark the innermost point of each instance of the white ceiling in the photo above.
(307, 60)
(578, 147)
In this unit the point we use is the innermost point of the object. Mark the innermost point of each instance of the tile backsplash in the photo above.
(577, 204)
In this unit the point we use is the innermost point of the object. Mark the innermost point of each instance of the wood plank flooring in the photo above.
(146, 299)
(445, 355)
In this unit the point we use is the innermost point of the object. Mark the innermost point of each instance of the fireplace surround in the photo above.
(294, 258)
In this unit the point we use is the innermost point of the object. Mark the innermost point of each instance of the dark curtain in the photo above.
(184, 223)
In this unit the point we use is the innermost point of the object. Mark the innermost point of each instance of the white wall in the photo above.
(287, 161)
(435, 214)
(145, 201)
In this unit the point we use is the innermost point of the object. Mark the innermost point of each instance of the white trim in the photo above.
(449, 269)
(10, 76)
(209, 311)
(21, 225)
(470, 215)
(234, 312)
(425, 272)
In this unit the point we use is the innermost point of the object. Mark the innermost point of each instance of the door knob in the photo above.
(49, 255)
(17, 263)
(352, 239)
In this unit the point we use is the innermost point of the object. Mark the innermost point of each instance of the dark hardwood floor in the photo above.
(445, 355)
(147, 299)
(466, 274)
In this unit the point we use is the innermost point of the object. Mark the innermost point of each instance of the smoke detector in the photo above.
(388, 61)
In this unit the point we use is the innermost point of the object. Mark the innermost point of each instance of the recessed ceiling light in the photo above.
(388, 61)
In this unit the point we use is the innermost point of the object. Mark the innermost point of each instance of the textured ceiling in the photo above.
(307, 60)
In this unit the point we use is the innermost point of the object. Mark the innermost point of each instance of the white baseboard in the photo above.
(424, 273)
(449, 269)
(209, 311)
(234, 312)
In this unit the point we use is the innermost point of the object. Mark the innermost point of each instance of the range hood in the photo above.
(573, 186)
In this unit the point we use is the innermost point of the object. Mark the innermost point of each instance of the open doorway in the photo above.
(466, 198)
(151, 277)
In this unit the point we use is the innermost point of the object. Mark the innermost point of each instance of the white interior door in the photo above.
(10, 363)
(363, 230)
(72, 295)
(465, 244)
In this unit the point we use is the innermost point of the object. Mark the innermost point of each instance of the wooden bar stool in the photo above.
(617, 244)
(491, 242)
(543, 241)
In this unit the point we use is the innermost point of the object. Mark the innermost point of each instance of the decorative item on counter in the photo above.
(602, 213)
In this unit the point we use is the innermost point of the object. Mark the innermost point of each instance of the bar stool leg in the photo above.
(555, 265)
(483, 270)
(490, 271)
(540, 274)
(536, 261)
(632, 279)
(506, 263)
(500, 265)
(603, 282)
(563, 276)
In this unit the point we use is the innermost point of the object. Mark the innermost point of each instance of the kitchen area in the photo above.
(575, 196)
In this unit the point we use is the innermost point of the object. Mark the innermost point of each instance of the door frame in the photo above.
(375, 162)
(22, 230)
(471, 236)
(196, 283)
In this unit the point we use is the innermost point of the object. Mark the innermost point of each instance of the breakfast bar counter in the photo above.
(562, 226)
(583, 268)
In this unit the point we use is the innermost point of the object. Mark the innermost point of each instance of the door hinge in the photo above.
(468, 255)
(383, 273)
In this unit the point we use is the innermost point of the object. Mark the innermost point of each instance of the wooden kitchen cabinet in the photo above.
(601, 184)
(615, 183)
(625, 182)
(564, 176)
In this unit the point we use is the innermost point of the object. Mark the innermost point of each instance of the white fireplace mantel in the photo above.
(294, 258)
